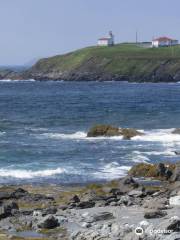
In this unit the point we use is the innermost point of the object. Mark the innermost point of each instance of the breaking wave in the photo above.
(111, 171)
(28, 174)
(10, 80)
(159, 135)
(76, 135)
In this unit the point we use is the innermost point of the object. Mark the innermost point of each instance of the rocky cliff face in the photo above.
(161, 73)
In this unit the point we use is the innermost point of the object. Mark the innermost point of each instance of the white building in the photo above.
(106, 41)
(164, 42)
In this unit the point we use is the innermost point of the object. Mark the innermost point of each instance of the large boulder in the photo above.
(6, 209)
(159, 171)
(155, 214)
(143, 170)
(103, 130)
(110, 131)
(48, 222)
(156, 203)
(172, 224)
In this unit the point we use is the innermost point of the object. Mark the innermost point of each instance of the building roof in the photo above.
(162, 39)
(104, 38)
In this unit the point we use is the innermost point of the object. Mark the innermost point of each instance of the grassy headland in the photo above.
(120, 62)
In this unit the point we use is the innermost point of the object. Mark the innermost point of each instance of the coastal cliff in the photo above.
(122, 62)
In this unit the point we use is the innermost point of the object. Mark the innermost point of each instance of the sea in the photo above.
(44, 125)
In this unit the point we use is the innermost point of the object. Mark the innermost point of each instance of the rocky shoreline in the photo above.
(125, 209)
(9, 74)
(78, 76)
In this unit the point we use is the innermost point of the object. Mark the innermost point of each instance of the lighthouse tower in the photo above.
(111, 38)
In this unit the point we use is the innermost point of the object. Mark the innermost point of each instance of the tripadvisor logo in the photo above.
(139, 231)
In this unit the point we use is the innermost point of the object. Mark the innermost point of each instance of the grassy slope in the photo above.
(123, 59)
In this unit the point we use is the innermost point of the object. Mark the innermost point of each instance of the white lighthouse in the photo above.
(106, 41)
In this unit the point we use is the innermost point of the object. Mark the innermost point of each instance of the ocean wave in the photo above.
(76, 135)
(29, 174)
(137, 157)
(111, 171)
(157, 153)
(159, 135)
(10, 80)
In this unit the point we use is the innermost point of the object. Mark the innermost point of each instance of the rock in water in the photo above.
(103, 130)
(128, 133)
(110, 131)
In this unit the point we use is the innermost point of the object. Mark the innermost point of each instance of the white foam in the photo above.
(16, 80)
(76, 135)
(111, 171)
(164, 136)
(137, 157)
(28, 174)
(159, 135)
(156, 153)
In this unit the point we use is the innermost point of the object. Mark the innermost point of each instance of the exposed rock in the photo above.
(6, 209)
(135, 193)
(102, 216)
(129, 133)
(92, 196)
(74, 199)
(115, 191)
(110, 131)
(101, 203)
(50, 210)
(159, 171)
(127, 184)
(5, 195)
(126, 200)
(171, 224)
(48, 222)
(176, 131)
(176, 173)
(155, 214)
(103, 130)
(85, 204)
(19, 193)
(156, 203)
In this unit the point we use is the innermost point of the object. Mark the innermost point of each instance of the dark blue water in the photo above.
(43, 128)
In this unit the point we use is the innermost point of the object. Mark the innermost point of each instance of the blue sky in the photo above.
(32, 29)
